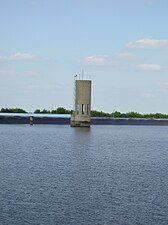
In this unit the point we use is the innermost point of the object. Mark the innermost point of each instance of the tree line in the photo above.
(59, 110)
(117, 114)
(94, 113)
(12, 110)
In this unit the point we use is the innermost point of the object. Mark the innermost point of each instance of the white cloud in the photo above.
(147, 43)
(120, 60)
(123, 56)
(102, 60)
(149, 67)
(19, 57)
(96, 60)
(15, 73)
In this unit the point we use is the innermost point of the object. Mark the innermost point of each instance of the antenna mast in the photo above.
(82, 74)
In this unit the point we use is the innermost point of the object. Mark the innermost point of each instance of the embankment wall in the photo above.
(94, 121)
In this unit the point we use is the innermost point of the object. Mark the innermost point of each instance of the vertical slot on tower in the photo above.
(83, 109)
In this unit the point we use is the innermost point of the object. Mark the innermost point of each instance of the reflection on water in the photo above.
(79, 130)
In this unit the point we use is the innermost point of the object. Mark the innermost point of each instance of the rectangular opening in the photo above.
(83, 109)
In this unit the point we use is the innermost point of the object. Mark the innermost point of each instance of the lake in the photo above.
(34, 114)
(105, 175)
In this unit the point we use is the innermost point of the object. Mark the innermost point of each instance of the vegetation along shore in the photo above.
(94, 113)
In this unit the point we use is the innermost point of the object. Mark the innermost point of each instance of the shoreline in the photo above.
(94, 121)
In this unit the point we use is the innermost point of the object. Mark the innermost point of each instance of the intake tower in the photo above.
(82, 103)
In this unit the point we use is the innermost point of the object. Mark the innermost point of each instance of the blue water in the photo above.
(35, 114)
(106, 175)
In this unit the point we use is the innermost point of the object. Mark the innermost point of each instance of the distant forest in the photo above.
(94, 113)
(59, 110)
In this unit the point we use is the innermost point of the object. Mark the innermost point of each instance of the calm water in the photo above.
(35, 114)
(106, 175)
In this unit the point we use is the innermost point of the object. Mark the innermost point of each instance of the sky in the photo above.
(122, 46)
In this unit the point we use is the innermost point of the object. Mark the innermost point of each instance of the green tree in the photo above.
(37, 111)
(95, 113)
(61, 110)
(13, 110)
(45, 111)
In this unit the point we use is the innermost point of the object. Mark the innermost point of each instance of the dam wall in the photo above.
(129, 121)
(36, 120)
(94, 121)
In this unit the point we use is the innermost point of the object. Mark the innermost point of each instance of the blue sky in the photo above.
(121, 44)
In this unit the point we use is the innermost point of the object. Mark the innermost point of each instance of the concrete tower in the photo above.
(82, 104)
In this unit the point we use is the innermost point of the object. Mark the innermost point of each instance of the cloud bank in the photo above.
(149, 67)
(19, 57)
(147, 43)
(15, 73)
(103, 60)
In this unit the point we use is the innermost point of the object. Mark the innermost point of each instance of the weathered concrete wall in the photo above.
(83, 96)
(81, 115)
